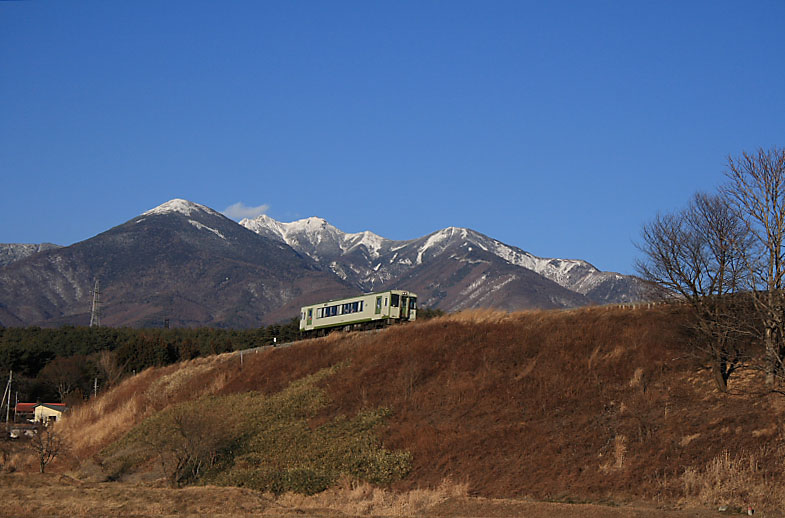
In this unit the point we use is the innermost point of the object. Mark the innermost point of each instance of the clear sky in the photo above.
(558, 127)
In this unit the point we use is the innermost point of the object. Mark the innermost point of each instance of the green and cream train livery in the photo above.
(361, 312)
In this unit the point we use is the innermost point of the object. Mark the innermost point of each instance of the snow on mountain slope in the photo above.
(317, 238)
(12, 252)
(178, 205)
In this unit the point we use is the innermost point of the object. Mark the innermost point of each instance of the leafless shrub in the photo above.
(46, 444)
(186, 443)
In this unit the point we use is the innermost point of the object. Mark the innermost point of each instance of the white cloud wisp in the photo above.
(240, 210)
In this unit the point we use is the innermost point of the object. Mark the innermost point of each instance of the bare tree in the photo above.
(186, 443)
(109, 368)
(696, 255)
(66, 374)
(46, 444)
(757, 192)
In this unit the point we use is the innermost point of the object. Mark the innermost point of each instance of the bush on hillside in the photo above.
(261, 442)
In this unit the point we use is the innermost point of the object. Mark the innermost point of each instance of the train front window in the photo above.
(394, 300)
(413, 303)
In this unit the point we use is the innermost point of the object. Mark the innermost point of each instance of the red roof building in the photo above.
(25, 408)
(29, 409)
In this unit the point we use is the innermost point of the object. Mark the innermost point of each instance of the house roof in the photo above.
(30, 407)
(60, 407)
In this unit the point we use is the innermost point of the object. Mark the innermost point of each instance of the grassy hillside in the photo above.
(594, 404)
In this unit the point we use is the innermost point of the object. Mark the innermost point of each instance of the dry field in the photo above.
(34, 496)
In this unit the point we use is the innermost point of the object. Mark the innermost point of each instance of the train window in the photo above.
(413, 303)
(360, 306)
(394, 300)
(385, 301)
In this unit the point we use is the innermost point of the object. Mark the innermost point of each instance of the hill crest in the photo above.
(584, 404)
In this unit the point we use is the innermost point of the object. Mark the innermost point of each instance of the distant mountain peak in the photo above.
(315, 236)
(180, 206)
(370, 261)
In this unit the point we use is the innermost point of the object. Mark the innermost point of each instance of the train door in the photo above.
(378, 309)
(395, 302)
(310, 316)
(404, 307)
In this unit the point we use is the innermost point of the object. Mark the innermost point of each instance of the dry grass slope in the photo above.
(594, 404)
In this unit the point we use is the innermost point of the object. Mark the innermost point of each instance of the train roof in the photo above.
(359, 296)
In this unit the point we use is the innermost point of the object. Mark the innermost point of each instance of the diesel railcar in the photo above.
(360, 312)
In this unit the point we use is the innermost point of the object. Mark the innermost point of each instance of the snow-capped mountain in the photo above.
(180, 261)
(372, 262)
(189, 264)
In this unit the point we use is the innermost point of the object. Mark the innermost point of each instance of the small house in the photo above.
(46, 412)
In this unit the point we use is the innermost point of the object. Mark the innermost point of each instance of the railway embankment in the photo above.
(602, 405)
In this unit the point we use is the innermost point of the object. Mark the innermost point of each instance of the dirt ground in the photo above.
(499, 508)
(33, 496)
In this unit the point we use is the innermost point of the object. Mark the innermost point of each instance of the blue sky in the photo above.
(558, 127)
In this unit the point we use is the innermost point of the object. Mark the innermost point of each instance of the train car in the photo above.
(363, 311)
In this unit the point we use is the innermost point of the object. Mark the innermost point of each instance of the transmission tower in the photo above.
(95, 318)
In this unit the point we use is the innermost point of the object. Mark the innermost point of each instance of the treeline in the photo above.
(67, 363)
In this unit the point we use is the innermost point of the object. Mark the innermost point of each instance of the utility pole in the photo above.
(7, 398)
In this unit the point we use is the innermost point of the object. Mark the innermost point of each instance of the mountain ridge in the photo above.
(370, 268)
(187, 264)
(12, 252)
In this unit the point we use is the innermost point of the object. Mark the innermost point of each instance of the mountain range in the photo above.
(192, 266)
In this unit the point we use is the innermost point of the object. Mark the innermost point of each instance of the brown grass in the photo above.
(366, 500)
(89, 428)
(33, 496)
(741, 479)
(597, 403)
